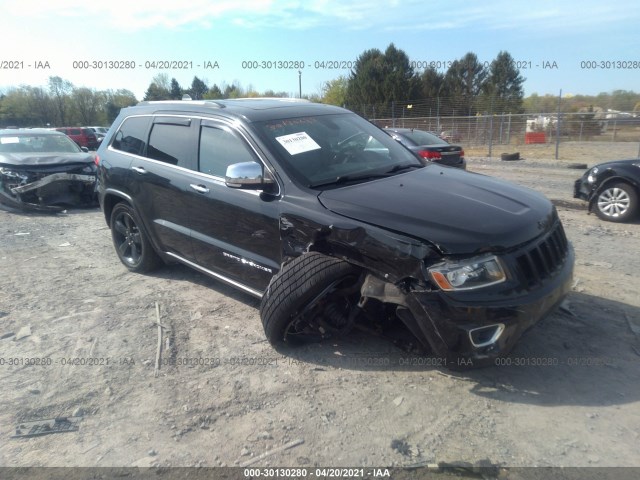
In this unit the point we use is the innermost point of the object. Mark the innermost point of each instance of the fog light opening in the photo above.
(485, 336)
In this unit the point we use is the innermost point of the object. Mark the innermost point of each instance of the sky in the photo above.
(579, 46)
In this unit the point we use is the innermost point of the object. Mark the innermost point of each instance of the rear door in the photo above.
(160, 180)
(235, 232)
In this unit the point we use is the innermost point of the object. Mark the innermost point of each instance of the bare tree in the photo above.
(60, 91)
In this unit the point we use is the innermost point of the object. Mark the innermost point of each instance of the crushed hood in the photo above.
(44, 159)
(458, 211)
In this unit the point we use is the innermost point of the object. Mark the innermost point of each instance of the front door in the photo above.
(235, 233)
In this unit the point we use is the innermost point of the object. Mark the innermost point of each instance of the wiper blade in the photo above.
(349, 178)
(404, 166)
(366, 176)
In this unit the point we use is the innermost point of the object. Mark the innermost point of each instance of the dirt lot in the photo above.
(570, 396)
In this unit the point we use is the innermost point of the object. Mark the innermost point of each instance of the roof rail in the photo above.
(281, 99)
(213, 103)
(219, 103)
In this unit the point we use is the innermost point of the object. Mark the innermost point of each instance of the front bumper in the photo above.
(481, 330)
(48, 192)
(581, 189)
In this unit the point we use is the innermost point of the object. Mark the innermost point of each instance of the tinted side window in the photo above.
(220, 148)
(169, 143)
(131, 137)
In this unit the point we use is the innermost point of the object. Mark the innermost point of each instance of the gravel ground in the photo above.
(567, 396)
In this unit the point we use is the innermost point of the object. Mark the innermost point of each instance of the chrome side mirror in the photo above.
(248, 176)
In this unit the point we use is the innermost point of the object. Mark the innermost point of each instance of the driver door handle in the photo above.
(199, 188)
(140, 170)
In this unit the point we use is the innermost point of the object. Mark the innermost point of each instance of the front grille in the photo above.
(545, 257)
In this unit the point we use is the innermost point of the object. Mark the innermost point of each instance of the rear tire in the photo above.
(130, 241)
(617, 202)
(309, 299)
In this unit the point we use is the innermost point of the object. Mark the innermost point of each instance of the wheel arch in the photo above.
(613, 178)
(391, 264)
(111, 198)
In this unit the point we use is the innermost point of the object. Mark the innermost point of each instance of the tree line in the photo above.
(60, 103)
(381, 85)
(163, 88)
(467, 86)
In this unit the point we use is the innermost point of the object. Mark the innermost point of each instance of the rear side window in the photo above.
(131, 136)
(423, 138)
(169, 143)
(220, 148)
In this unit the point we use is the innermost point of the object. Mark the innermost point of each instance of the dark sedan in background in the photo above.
(429, 146)
(44, 170)
(612, 189)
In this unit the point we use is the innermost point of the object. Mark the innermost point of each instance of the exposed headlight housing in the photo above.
(468, 274)
(13, 174)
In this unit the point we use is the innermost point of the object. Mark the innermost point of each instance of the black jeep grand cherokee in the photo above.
(326, 217)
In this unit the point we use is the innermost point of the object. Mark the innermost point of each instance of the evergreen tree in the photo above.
(213, 93)
(175, 93)
(431, 91)
(156, 92)
(198, 89)
(366, 80)
(379, 79)
(400, 82)
(504, 84)
(159, 88)
(463, 82)
(431, 83)
(233, 91)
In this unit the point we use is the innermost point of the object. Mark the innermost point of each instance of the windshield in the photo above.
(37, 144)
(331, 149)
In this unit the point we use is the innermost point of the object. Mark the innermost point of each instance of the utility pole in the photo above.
(558, 125)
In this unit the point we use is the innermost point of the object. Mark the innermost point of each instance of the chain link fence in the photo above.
(489, 123)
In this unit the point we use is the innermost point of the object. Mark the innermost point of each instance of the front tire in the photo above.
(618, 202)
(313, 297)
(130, 241)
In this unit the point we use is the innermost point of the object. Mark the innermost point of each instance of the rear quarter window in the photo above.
(131, 136)
(170, 143)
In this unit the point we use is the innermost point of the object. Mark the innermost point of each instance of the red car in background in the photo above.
(82, 136)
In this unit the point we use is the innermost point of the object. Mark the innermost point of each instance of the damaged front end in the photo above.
(466, 310)
(481, 306)
(47, 187)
